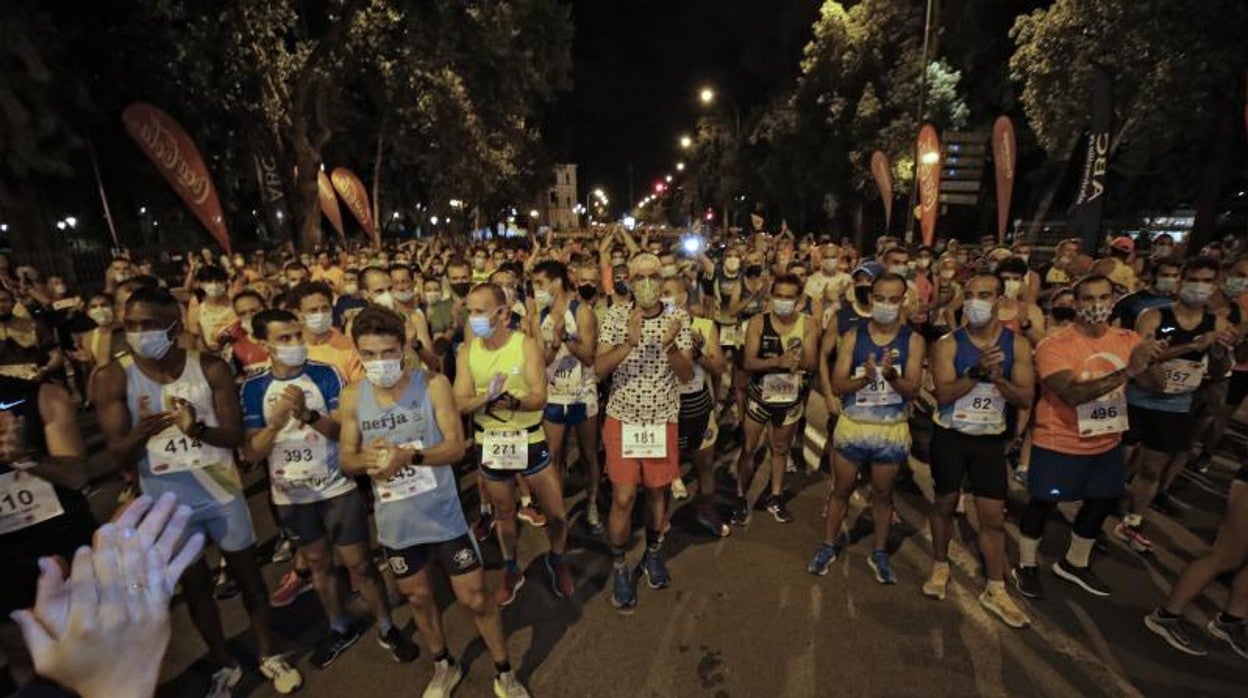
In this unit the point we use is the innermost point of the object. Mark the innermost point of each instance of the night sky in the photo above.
(638, 65)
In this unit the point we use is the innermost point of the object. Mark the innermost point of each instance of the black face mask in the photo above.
(461, 288)
(587, 291)
(5, 317)
(621, 288)
(1062, 313)
(754, 270)
(862, 294)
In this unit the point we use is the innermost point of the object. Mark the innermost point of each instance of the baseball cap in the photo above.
(871, 269)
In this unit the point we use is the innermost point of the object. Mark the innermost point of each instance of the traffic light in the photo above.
(963, 159)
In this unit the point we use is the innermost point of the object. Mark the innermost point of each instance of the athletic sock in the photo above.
(526, 500)
(340, 625)
(443, 656)
(554, 557)
(1163, 614)
(1228, 619)
(511, 565)
(1079, 551)
(996, 585)
(487, 509)
(502, 667)
(385, 624)
(1027, 549)
(653, 540)
(618, 554)
(304, 574)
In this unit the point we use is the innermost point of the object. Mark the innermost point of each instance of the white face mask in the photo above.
(885, 313)
(291, 355)
(543, 298)
(403, 296)
(383, 373)
(384, 299)
(1013, 287)
(350, 289)
(667, 271)
(978, 311)
(783, 307)
(432, 297)
(318, 323)
(101, 315)
(829, 266)
(213, 290)
(152, 344)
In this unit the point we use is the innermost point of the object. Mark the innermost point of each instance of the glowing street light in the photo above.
(659, 187)
(433, 220)
(931, 157)
(686, 142)
(707, 95)
(533, 213)
(71, 221)
(668, 179)
(680, 167)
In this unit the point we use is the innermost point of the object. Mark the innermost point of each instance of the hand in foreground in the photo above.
(117, 596)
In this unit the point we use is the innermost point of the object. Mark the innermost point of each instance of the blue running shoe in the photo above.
(882, 568)
(825, 555)
(656, 572)
(623, 596)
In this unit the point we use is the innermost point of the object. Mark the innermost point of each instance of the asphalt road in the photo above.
(743, 618)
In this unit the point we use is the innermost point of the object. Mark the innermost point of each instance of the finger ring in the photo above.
(135, 586)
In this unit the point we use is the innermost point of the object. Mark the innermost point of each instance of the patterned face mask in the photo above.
(1095, 314)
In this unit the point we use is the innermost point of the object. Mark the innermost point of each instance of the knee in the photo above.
(505, 510)
(362, 571)
(477, 601)
(317, 563)
(419, 599)
(882, 492)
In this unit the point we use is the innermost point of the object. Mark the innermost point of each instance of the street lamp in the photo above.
(931, 157)
(534, 213)
(71, 221)
(680, 167)
(668, 179)
(707, 95)
(686, 142)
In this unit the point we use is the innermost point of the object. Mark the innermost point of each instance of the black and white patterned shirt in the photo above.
(644, 389)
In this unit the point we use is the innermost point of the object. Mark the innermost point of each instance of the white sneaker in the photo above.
(446, 676)
(286, 679)
(506, 685)
(678, 489)
(224, 681)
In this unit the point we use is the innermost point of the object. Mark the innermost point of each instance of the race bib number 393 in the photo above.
(301, 459)
(644, 440)
(26, 500)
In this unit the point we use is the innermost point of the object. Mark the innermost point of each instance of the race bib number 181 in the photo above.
(644, 440)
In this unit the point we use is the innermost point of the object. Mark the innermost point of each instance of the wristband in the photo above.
(312, 417)
(418, 458)
(197, 431)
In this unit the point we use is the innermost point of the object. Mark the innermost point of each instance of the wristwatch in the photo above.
(311, 417)
(197, 431)
(418, 458)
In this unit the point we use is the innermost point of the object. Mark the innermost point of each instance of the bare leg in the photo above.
(781, 442)
(503, 494)
(992, 536)
(845, 475)
(197, 583)
(882, 477)
(367, 580)
(940, 520)
(587, 441)
(255, 596)
(419, 594)
(470, 590)
(1230, 550)
(745, 462)
(548, 489)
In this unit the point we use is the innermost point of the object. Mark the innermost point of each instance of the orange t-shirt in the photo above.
(1057, 424)
(338, 351)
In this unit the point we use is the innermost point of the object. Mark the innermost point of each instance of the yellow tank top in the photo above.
(509, 361)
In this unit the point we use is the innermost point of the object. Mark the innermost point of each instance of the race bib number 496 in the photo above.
(1104, 415)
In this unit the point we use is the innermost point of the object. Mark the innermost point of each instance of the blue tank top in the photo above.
(982, 411)
(420, 504)
(878, 402)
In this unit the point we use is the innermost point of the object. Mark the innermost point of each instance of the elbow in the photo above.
(456, 449)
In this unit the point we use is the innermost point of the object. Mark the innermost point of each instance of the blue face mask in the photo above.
(481, 326)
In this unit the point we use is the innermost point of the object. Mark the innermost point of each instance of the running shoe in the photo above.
(285, 678)
(224, 681)
(506, 685)
(1234, 634)
(1202, 463)
(334, 645)
(997, 600)
(483, 528)
(679, 491)
(530, 515)
(283, 551)
(778, 511)
(223, 585)
(511, 583)
(623, 595)
(560, 578)
(937, 582)
(1027, 580)
(291, 587)
(399, 645)
(656, 570)
(708, 517)
(882, 567)
(825, 555)
(741, 512)
(1133, 538)
(593, 519)
(1177, 632)
(1083, 577)
(446, 676)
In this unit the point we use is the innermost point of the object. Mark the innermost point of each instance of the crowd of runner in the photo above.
(367, 381)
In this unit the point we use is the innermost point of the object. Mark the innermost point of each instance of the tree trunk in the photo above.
(377, 180)
(306, 206)
(1226, 150)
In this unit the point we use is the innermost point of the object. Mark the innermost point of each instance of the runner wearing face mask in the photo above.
(1077, 453)
(501, 382)
(1161, 419)
(209, 319)
(247, 355)
(176, 414)
(781, 347)
(378, 290)
(976, 370)
(313, 303)
(878, 371)
(1165, 274)
(401, 427)
(1214, 418)
(349, 301)
(288, 414)
(1014, 310)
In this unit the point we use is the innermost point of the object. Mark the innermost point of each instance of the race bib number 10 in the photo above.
(26, 500)
(644, 440)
